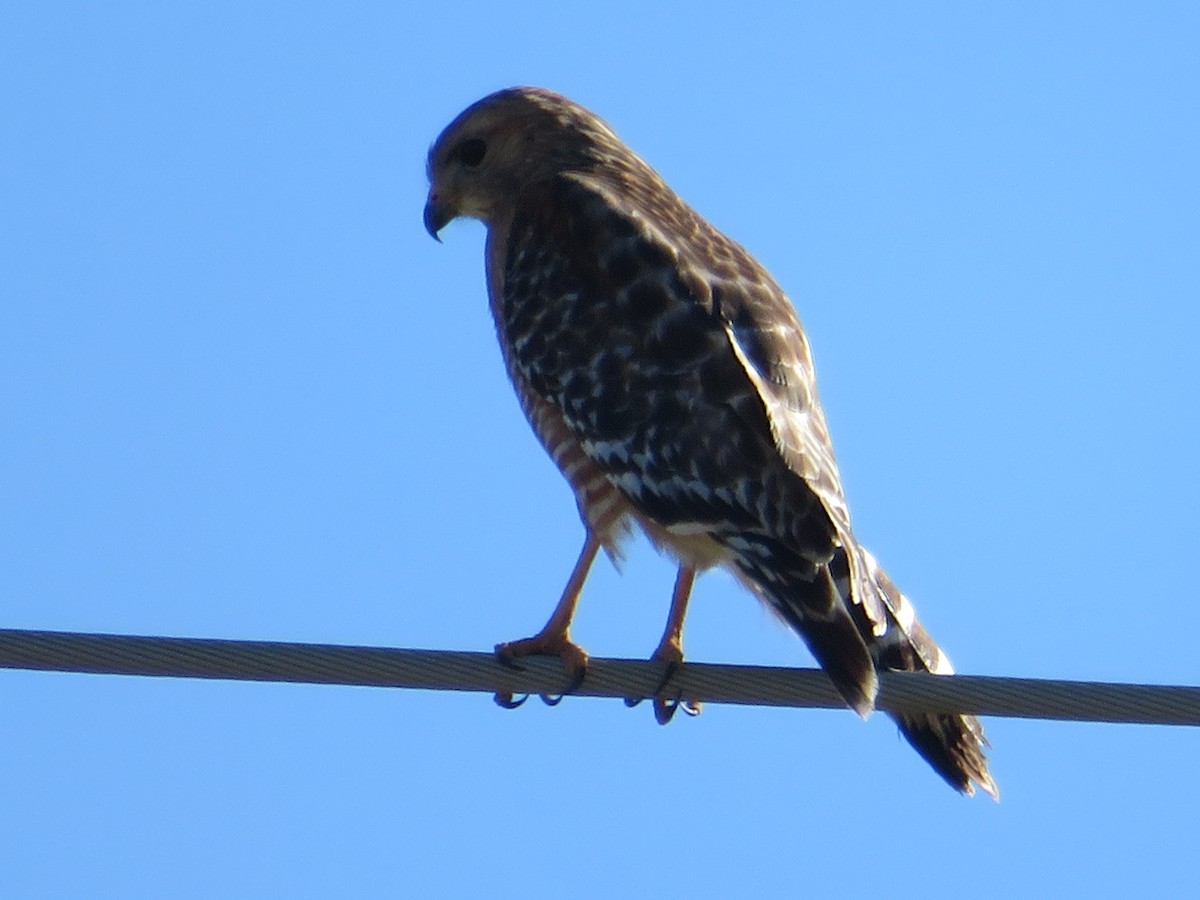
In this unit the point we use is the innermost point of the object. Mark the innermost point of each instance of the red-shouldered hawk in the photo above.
(668, 377)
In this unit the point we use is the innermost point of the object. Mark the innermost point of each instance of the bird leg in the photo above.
(555, 639)
(670, 650)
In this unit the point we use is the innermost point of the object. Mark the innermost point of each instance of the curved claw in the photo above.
(572, 686)
(506, 700)
(664, 710)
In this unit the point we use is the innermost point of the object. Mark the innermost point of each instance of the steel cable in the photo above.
(449, 670)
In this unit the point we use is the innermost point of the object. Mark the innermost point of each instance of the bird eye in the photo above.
(471, 152)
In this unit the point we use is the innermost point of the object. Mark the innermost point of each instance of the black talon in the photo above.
(506, 701)
(572, 687)
(665, 713)
(665, 710)
(668, 674)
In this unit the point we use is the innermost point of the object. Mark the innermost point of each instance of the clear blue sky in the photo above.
(243, 395)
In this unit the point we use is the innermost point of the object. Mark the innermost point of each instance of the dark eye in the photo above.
(471, 152)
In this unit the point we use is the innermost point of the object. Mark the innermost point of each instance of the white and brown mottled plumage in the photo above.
(667, 375)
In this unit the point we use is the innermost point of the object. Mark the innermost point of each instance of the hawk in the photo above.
(668, 377)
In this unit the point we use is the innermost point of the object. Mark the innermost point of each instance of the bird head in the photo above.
(508, 140)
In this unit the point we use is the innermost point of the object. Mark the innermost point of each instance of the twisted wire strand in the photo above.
(449, 670)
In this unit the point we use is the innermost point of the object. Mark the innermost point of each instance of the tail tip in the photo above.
(954, 746)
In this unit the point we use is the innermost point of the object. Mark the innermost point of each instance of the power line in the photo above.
(448, 670)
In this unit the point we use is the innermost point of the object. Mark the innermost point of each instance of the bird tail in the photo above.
(806, 595)
(853, 638)
(953, 743)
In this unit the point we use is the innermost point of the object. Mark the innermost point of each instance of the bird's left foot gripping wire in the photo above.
(670, 652)
(574, 660)
(665, 707)
(554, 639)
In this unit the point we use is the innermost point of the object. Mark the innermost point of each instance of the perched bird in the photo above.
(667, 375)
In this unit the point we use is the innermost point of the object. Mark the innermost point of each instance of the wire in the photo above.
(447, 670)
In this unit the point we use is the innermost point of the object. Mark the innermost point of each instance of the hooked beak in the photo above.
(437, 214)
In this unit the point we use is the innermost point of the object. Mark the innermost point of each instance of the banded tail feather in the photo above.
(814, 599)
(952, 743)
(804, 593)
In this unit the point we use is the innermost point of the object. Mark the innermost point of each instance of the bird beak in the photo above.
(437, 214)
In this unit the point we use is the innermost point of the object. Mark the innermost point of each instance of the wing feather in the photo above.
(613, 324)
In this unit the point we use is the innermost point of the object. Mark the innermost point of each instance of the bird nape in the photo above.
(668, 377)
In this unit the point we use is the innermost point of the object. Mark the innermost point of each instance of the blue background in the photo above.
(243, 395)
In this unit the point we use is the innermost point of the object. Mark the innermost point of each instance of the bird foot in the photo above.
(573, 657)
(671, 655)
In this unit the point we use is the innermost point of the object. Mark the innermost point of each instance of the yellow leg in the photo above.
(670, 648)
(670, 651)
(555, 637)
